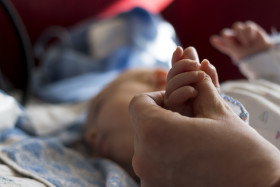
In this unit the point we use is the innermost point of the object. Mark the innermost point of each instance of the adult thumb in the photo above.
(147, 108)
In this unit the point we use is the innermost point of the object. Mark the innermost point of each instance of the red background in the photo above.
(194, 21)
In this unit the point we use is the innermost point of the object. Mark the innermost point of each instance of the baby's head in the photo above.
(108, 130)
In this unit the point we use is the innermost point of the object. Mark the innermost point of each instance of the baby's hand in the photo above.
(242, 40)
(185, 72)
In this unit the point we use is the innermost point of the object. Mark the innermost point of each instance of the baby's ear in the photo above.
(160, 77)
(90, 136)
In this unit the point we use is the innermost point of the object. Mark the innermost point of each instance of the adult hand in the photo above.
(174, 150)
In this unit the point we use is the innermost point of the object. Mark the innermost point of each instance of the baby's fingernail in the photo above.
(191, 53)
(208, 64)
(211, 66)
(179, 48)
(227, 32)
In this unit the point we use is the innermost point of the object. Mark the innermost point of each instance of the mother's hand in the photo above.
(174, 150)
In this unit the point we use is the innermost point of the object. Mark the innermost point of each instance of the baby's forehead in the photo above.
(127, 80)
(138, 75)
(128, 76)
(115, 85)
(98, 101)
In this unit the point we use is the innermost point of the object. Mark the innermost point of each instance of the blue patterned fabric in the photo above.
(59, 159)
(51, 160)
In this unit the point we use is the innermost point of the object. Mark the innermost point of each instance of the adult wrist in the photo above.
(276, 183)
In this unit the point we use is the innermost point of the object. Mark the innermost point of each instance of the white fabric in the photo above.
(261, 93)
(265, 65)
(9, 111)
(262, 100)
(46, 118)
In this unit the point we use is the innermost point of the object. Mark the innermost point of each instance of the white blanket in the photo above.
(262, 100)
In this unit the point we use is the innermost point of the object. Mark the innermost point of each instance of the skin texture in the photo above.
(108, 130)
(212, 148)
(242, 40)
(186, 71)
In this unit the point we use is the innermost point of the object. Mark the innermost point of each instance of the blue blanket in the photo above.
(92, 54)
(54, 161)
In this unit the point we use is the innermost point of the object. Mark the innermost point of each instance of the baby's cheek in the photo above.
(123, 148)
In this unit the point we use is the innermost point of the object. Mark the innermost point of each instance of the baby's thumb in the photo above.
(208, 102)
(206, 88)
(209, 69)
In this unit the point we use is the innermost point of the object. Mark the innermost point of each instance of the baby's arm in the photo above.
(242, 40)
(255, 52)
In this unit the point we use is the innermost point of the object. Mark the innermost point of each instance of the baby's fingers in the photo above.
(182, 80)
(250, 32)
(181, 96)
(184, 65)
(210, 70)
(191, 54)
(177, 55)
(239, 29)
(246, 32)
(225, 42)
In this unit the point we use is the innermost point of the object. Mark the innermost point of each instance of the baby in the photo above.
(108, 129)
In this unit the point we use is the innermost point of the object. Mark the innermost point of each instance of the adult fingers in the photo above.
(147, 107)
